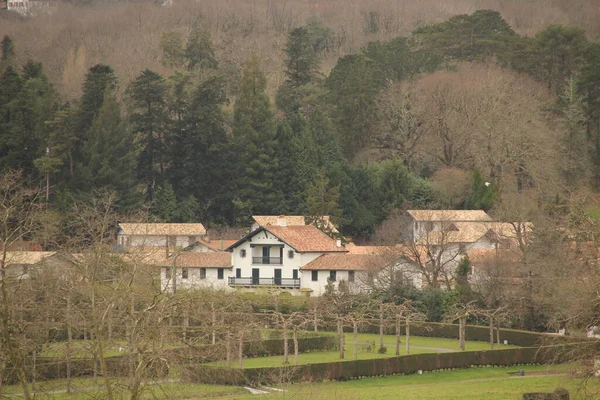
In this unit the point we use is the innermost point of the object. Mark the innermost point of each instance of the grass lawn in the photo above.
(467, 384)
(418, 345)
(89, 388)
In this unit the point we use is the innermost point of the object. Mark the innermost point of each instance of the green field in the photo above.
(466, 384)
(418, 345)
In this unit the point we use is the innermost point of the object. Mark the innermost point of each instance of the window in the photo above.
(202, 273)
(243, 253)
(462, 248)
(184, 273)
(295, 274)
(350, 276)
(168, 272)
(429, 226)
(291, 254)
(191, 240)
(238, 272)
(332, 276)
(220, 273)
(315, 276)
(172, 241)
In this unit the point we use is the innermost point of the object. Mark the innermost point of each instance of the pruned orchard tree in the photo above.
(20, 211)
(462, 312)
(337, 306)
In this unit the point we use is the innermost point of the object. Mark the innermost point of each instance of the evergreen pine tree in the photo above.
(110, 160)
(7, 47)
(254, 133)
(165, 203)
(323, 199)
(302, 62)
(198, 50)
(148, 119)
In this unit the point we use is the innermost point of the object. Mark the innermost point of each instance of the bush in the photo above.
(382, 350)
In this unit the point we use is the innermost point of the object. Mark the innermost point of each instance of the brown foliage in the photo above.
(127, 35)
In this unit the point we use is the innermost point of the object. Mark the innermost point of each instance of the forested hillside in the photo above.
(462, 113)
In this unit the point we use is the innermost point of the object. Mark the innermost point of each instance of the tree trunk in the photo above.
(286, 357)
(461, 332)
(341, 337)
(498, 335)
(228, 351)
(315, 320)
(33, 372)
(397, 335)
(69, 343)
(380, 325)
(241, 350)
(491, 334)
(355, 329)
(296, 347)
(214, 324)
(407, 337)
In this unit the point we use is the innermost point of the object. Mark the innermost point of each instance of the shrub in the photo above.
(382, 350)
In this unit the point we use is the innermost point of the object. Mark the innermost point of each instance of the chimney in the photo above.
(281, 221)
(338, 242)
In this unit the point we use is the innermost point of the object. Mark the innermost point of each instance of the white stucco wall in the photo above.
(155, 240)
(193, 280)
(254, 249)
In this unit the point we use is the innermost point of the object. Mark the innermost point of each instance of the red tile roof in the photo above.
(207, 260)
(163, 229)
(347, 262)
(305, 238)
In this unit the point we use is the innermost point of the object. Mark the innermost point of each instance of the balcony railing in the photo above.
(281, 282)
(266, 260)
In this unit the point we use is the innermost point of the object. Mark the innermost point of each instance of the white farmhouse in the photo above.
(169, 236)
(272, 256)
(20, 264)
(417, 223)
(196, 270)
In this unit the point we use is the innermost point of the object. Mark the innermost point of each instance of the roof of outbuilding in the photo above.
(205, 260)
(449, 215)
(291, 220)
(27, 257)
(163, 229)
(347, 262)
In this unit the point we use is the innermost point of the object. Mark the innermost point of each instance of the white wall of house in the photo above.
(201, 248)
(156, 240)
(318, 286)
(194, 278)
(254, 249)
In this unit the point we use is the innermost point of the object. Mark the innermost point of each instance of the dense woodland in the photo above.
(422, 120)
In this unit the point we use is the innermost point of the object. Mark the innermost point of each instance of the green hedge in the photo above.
(343, 370)
(56, 368)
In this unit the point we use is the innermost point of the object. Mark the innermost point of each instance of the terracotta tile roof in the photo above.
(294, 220)
(347, 262)
(354, 249)
(449, 215)
(217, 244)
(267, 220)
(27, 257)
(478, 256)
(207, 260)
(470, 232)
(163, 229)
(305, 238)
